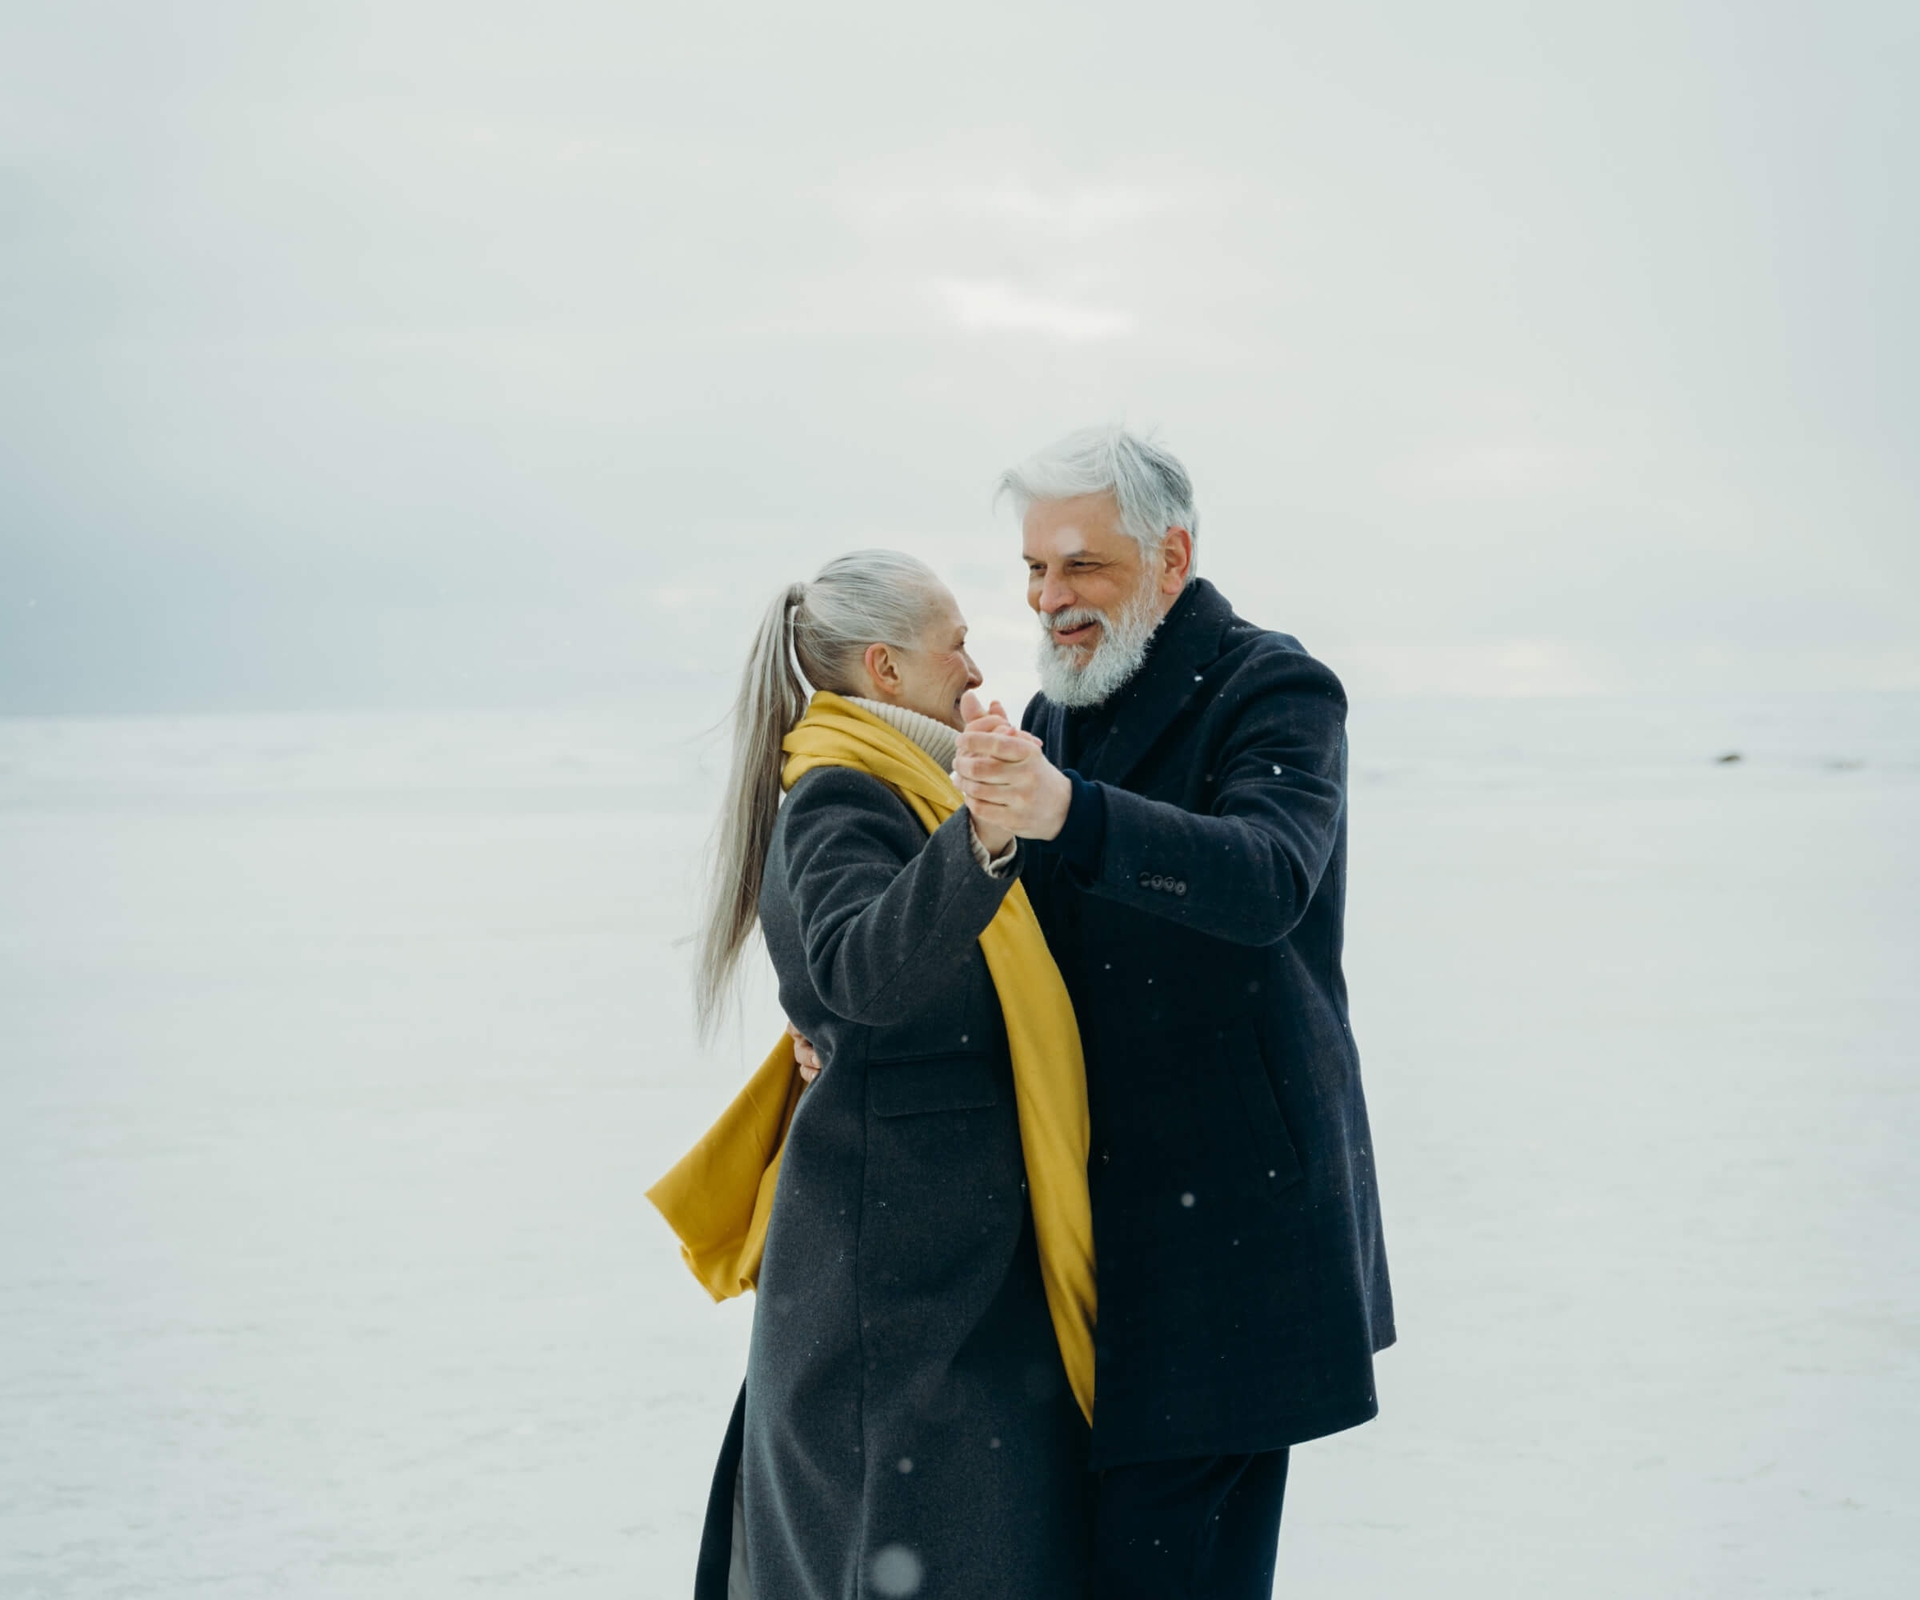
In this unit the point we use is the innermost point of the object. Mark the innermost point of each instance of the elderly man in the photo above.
(1182, 782)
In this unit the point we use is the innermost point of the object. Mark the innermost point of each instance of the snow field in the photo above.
(336, 1053)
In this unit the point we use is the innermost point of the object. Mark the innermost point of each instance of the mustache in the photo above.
(1071, 617)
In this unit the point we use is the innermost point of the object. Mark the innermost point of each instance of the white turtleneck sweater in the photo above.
(943, 744)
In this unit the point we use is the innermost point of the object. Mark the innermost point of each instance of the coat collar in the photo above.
(1145, 705)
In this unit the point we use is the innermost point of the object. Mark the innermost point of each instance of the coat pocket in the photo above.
(1276, 1161)
(907, 1087)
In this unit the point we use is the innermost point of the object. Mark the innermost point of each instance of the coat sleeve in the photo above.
(887, 914)
(1246, 869)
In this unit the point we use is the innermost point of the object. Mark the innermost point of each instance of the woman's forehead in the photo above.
(945, 610)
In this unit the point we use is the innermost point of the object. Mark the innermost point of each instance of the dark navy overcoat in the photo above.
(1243, 1280)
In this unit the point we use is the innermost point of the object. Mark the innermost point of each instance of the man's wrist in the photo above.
(1062, 803)
(1082, 839)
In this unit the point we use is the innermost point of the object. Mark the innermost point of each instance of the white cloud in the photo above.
(988, 304)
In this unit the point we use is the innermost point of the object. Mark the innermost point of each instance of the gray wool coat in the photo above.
(906, 1424)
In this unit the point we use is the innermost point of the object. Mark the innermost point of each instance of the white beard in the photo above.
(1124, 638)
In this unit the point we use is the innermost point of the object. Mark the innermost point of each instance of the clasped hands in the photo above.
(1012, 790)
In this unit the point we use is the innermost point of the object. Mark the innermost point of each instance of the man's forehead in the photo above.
(1085, 525)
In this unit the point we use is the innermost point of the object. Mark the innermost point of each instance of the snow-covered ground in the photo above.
(335, 1054)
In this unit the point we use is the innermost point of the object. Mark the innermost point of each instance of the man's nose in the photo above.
(1054, 595)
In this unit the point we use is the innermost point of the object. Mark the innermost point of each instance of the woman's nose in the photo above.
(974, 678)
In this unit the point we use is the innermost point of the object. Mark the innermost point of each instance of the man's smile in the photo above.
(1079, 634)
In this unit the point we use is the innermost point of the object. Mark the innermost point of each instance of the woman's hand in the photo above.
(993, 836)
(805, 1055)
(990, 719)
(992, 839)
(1009, 784)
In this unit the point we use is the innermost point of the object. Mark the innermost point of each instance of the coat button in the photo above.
(1179, 886)
(1146, 880)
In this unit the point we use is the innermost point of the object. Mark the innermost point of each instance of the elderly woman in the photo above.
(909, 1423)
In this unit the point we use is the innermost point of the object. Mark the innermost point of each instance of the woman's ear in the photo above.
(883, 672)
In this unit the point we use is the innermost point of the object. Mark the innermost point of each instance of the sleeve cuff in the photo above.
(1082, 839)
(994, 866)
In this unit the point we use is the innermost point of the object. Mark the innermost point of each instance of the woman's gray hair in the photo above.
(1153, 489)
(811, 636)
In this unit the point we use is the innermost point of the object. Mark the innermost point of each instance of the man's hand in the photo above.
(805, 1054)
(1011, 787)
(979, 719)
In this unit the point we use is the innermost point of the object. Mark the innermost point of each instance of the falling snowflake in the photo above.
(895, 1570)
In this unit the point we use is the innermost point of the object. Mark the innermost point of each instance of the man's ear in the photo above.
(1176, 560)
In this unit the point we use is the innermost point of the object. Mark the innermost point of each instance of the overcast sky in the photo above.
(424, 353)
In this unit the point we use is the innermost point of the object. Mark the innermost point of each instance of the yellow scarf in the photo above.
(719, 1197)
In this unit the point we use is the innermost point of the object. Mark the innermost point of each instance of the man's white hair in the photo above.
(1152, 488)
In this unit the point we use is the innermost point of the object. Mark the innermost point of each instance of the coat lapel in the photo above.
(1053, 733)
(1147, 705)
